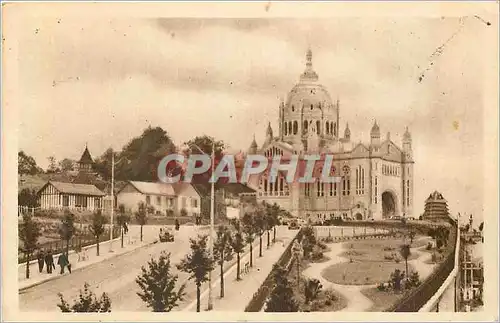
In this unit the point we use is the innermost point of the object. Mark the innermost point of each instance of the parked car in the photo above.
(166, 235)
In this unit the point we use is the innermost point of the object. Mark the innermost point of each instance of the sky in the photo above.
(101, 81)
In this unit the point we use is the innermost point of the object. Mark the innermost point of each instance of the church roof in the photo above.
(86, 158)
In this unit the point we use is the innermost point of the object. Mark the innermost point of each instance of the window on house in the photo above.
(148, 199)
(183, 201)
(158, 200)
(194, 203)
(97, 202)
(318, 127)
(295, 127)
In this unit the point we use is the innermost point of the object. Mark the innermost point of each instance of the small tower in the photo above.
(470, 222)
(436, 208)
(282, 119)
(85, 163)
(347, 133)
(253, 147)
(269, 133)
(375, 135)
(407, 143)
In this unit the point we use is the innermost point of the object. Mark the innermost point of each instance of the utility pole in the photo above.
(211, 239)
(112, 200)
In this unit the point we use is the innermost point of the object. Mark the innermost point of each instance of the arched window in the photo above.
(293, 108)
(305, 126)
(318, 127)
(312, 106)
(286, 129)
(295, 127)
(334, 129)
(290, 127)
(327, 127)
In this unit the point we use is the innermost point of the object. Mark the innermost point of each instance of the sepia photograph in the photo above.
(214, 161)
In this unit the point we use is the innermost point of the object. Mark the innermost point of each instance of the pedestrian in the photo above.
(69, 264)
(49, 262)
(62, 261)
(41, 259)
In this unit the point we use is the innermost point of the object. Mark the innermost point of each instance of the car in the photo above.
(166, 235)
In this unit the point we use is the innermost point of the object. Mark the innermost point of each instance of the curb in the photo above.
(81, 268)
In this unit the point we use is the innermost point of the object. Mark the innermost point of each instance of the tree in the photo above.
(249, 230)
(308, 240)
(312, 289)
(396, 278)
(405, 253)
(122, 219)
(158, 285)
(26, 165)
(67, 228)
(222, 252)
(87, 302)
(198, 263)
(259, 219)
(97, 227)
(273, 213)
(141, 155)
(66, 165)
(238, 245)
(412, 235)
(205, 143)
(29, 231)
(141, 215)
(52, 168)
(28, 197)
(281, 298)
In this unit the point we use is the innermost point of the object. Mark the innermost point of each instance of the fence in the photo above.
(74, 243)
(420, 295)
(259, 298)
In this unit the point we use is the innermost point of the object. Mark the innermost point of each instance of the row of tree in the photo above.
(157, 281)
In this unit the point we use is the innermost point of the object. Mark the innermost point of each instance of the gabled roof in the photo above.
(236, 188)
(72, 188)
(86, 158)
(153, 188)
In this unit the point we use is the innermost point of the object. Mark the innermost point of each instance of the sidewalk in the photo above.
(131, 242)
(239, 293)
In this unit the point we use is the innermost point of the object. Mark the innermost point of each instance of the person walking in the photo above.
(49, 262)
(41, 259)
(62, 261)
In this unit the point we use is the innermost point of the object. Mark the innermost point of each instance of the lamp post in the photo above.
(112, 201)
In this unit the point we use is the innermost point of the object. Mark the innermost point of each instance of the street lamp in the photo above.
(112, 199)
(212, 211)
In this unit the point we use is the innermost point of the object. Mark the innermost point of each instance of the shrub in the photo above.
(382, 287)
(322, 245)
(388, 257)
(414, 280)
(429, 246)
(434, 258)
(317, 254)
(388, 248)
(397, 260)
(328, 239)
(183, 212)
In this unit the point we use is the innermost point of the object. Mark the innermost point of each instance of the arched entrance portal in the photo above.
(359, 216)
(388, 205)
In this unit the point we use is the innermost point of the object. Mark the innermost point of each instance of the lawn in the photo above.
(328, 300)
(362, 272)
(381, 300)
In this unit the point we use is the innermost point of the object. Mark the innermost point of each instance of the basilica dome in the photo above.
(308, 91)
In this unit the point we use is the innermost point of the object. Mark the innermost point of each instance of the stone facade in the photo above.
(377, 177)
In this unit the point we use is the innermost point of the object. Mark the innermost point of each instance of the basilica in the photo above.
(376, 177)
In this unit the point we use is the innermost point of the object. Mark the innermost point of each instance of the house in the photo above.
(188, 199)
(60, 195)
(159, 196)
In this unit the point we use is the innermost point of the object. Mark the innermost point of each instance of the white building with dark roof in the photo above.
(59, 195)
(377, 176)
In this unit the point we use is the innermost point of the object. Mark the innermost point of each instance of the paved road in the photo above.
(115, 276)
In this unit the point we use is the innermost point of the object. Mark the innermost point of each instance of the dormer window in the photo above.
(293, 108)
